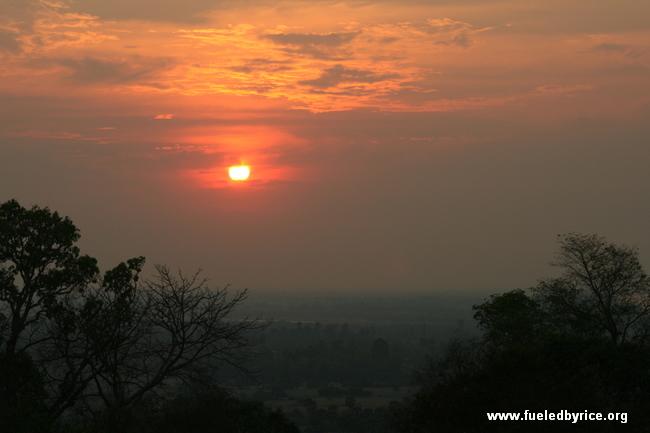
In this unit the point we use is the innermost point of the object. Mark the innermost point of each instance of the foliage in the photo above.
(78, 347)
(146, 336)
(215, 410)
(576, 342)
(22, 395)
(40, 268)
(603, 289)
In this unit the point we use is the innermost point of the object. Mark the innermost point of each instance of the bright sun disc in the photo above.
(239, 173)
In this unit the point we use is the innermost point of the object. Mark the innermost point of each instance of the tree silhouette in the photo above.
(212, 410)
(71, 337)
(150, 334)
(603, 288)
(40, 267)
(511, 318)
(574, 342)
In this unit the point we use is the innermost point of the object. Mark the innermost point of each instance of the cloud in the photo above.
(561, 89)
(446, 25)
(265, 65)
(16, 20)
(611, 47)
(149, 10)
(165, 116)
(618, 48)
(462, 40)
(339, 74)
(13, 11)
(319, 45)
(90, 70)
(8, 42)
(447, 31)
(311, 39)
(34, 27)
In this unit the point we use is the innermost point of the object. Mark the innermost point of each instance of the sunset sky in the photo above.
(394, 145)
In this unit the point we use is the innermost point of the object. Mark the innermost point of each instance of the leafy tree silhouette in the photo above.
(211, 409)
(576, 342)
(40, 266)
(72, 338)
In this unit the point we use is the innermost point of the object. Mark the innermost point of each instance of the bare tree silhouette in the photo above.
(603, 288)
(150, 334)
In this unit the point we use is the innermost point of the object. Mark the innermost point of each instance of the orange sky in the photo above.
(394, 144)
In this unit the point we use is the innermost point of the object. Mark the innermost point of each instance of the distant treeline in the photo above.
(314, 355)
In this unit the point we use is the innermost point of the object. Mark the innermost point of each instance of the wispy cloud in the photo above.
(266, 65)
(319, 45)
(367, 58)
(339, 74)
(9, 41)
(91, 70)
(627, 50)
(448, 31)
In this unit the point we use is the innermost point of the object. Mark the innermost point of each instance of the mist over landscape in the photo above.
(354, 216)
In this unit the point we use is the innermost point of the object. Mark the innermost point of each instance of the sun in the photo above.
(239, 173)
